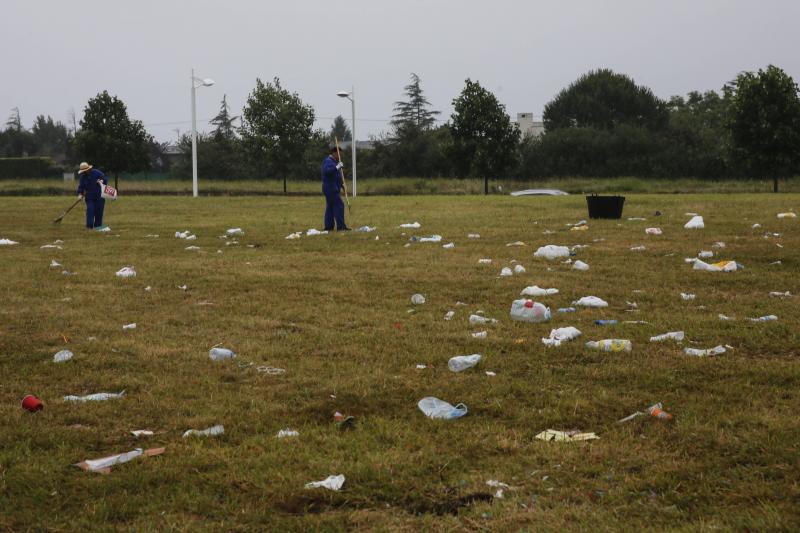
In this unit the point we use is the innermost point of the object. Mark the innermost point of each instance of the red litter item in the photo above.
(529, 304)
(32, 403)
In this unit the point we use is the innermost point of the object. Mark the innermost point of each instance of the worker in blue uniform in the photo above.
(332, 185)
(89, 189)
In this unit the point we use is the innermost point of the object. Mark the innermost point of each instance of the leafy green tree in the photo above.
(276, 128)
(484, 140)
(52, 138)
(110, 139)
(224, 122)
(765, 123)
(412, 116)
(603, 99)
(340, 130)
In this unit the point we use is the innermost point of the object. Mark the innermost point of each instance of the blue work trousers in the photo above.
(94, 212)
(334, 211)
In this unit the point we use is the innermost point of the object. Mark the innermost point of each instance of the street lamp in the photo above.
(352, 97)
(196, 83)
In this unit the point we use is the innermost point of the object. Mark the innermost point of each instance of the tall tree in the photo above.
(765, 123)
(603, 99)
(484, 138)
(110, 139)
(14, 121)
(276, 128)
(224, 122)
(413, 115)
(52, 138)
(340, 130)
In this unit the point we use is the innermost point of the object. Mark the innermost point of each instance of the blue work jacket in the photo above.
(88, 184)
(332, 179)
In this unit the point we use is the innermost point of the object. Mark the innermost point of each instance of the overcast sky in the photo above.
(57, 54)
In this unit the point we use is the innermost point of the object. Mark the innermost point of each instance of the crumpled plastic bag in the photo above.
(559, 335)
(717, 350)
(62, 356)
(104, 464)
(524, 310)
(722, 266)
(295, 235)
(564, 436)
(365, 229)
(97, 397)
(653, 231)
(671, 336)
(7, 242)
(591, 301)
(213, 431)
(440, 410)
(126, 272)
(506, 272)
(315, 231)
(580, 265)
(460, 363)
(535, 290)
(519, 269)
(695, 223)
(334, 483)
(417, 299)
(767, 318)
(432, 238)
(284, 433)
(478, 319)
(234, 231)
(552, 251)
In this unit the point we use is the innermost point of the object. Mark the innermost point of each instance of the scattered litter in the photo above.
(525, 310)
(605, 322)
(723, 317)
(142, 433)
(463, 362)
(412, 225)
(432, 238)
(126, 272)
(564, 436)
(722, 266)
(552, 251)
(104, 464)
(479, 335)
(421, 367)
(282, 434)
(441, 410)
(192, 248)
(775, 263)
(579, 223)
(566, 309)
(611, 345)
(8, 242)
(129, 326)
(234, 231)
(490, 373)
(687, 297)
(717, 350)
(656, 411)
(478, 319)
(500, 486)
(44, 247)
(516, 243)
(32, 404)
(183, 234)
(787, 215)
(213, 431)
(151, 236)
(148, 288)
(417, 299)
(579, 228)
(695, 223)
(220, 354)
(449, 245)
(331, 483)
(97, 397)
(591, 301)
(653, 231)
(270, 370)
(580, 265)
(484, 261)
(557, 336)
(473, 236)
(756, 226)
(705, 254)
(55, 264)
(449, 315)
(535, 290)
(295, 235)
(638, 249)
(62, 356)
(519, 269)
(718, 244)
(671, 336)
(636, 219)
(103, 229)
(768, 318)
(313, 231)
(506, 272)
(776, 294)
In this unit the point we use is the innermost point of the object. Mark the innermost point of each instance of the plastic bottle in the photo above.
(417, 299)
(220, 354)
(62, 356)
(605, 322)
(611, 345)
(529, 311)
(657, 412)
(463, 362)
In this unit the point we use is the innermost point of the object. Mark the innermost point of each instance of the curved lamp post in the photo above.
(352, 97)
(196, 83)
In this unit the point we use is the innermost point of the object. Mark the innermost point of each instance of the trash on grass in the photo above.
(449, 315)
(611, 345)
(142, 433)
(580, 265)
(126, 272)
(413, 225)
(484, 261)
(295, 235)
(213, 431)
(55, 264)
(535, 290)
(566, 310)
(331, 483)
(564, 436)
(449, 245)
(525, 310)
(7, 242)
(473, 236)
(705, 254)
(220, 354)
(519, 269)
(479, 335)
(463, 362)
(767, 318)
(787, 215)
(605, 322)
(653, 231)
(104, 464)
(591, 301)
(313, 231)
(516, 243)
(506, 272)
(234, 231)
(62, 356)
(687, 297)
(478, 319)
(776, 294)
(717, 350)
(417, 299)
(656, 411)
(440, 410)
(559, 335)
(552, 251)
(97, 397)
(671, 336)
(722, 266)
(129, 326)
(695, 223)
(282, 434)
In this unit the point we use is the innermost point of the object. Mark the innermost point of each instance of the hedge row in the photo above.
(29, 167)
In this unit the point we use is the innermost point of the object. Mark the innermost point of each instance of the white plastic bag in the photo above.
(331, 483)
(463, 362)
(535, 290)
(591, 301)
(98, 397)
(220, 354)
(559, 335)
(126, 272)
(412, 225)
(62, 356)
(552, 251)
(695, 223)
(519, 269)
(672, 336)
(717, 350)
(108, 192)
(440, 410)
(506, 272)
(213, 431)
(653, 231)
(525, 310)
(580, 265)
(417, 299)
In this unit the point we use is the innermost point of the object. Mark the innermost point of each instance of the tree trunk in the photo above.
(774, 184)
(486, 185)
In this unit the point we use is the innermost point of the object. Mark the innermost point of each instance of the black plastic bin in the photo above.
(605, 206)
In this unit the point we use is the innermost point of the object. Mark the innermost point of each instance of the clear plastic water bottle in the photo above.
(611, 345)
(220, 354)
(463, 362)
(605, 322)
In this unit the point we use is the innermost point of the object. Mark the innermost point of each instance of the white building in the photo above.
(527, 126)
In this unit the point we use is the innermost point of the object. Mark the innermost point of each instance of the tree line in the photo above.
(601, 125)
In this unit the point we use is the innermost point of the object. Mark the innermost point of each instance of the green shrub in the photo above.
(28, 167)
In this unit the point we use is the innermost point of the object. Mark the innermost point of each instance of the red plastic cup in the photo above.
(32, 403)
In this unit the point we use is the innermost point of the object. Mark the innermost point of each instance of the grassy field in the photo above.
(334, 311)
(408, 186)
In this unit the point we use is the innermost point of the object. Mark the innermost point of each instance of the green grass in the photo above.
(409, 186)
(333, 311)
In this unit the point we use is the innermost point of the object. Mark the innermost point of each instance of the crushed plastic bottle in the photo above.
(220, 354)
(126, 272)
(525, 310)
(417, 299)
(767, 318)
(440, 410)
(535, 291)
(506, 272)
(605, 322)
(580, 265)
(62, 356)
(687, 297)
(566, 310)
(717, 350)
(552, 251)
(677, 336)
(97, 397)
(591, 301)
(213, 431)
(479, 335)
(449, 315)
(478, 319)
(611, 345)
(463, 362)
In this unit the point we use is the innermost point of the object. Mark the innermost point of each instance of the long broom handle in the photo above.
(344, 184)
